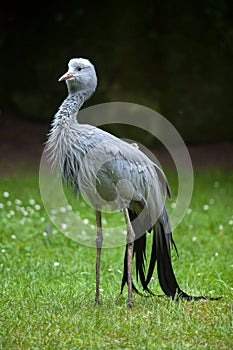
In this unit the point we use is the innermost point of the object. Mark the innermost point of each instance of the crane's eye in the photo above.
(79, 68)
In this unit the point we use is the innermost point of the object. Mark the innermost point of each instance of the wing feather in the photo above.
(107, 160)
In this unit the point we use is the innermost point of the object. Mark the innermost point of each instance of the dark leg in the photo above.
(99, 240)
(130, 244)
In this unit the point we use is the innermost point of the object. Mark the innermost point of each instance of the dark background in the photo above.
(173, 56)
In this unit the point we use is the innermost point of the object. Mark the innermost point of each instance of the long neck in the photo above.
(64, 130)
(68, 111)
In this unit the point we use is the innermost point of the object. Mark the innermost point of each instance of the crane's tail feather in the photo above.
(160, 253)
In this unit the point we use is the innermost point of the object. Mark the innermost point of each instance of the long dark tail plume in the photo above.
(160, 253)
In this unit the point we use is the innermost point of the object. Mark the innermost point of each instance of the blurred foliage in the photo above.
(172, 56)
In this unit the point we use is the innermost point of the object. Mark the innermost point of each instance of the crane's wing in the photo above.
(108, 162)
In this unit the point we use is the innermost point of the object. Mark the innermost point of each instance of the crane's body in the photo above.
(95, 161)
(108, 170)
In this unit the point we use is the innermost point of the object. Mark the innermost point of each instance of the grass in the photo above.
(48, 281)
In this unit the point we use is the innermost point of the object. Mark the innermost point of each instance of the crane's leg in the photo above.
(99, 240)
(130, 244)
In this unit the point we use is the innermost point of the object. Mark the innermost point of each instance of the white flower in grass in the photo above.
(13, 236)
(3, 250)
(1, 206)
(205, 207)
(9, 203)
(216, 254)
(194, 238)
(42, 219)
(56, 263)
(32, 201)
(37, 206)
(230, 222)
(62, 209)
(23, 220)
(189, 211)
(69, 207)
(119, 271)
(18, 201)
(63, 226)
(220, 227)
(86, 221)
(6, 194)
(30, 210)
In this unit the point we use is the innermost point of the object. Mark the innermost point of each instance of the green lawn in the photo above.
(48, 281)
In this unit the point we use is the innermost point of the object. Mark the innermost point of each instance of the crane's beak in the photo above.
(66, 76)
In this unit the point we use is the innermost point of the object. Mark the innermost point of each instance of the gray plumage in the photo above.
(95, 161)
(107, 170)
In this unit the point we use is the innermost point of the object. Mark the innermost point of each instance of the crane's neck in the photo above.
(65, 128)
(68, 111)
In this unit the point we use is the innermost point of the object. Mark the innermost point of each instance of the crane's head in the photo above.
(81, 76)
